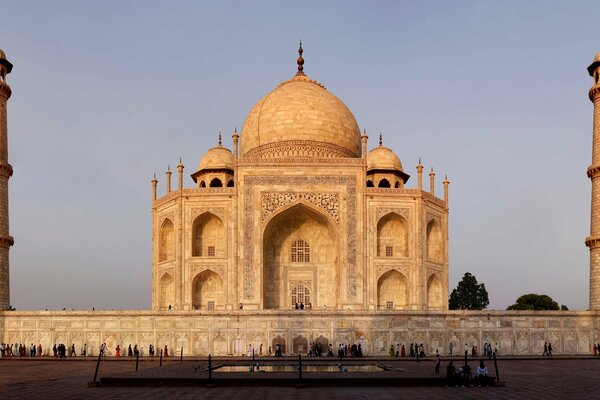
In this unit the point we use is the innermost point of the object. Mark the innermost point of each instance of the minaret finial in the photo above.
(380, 139)
(220, 138)
(300, 60)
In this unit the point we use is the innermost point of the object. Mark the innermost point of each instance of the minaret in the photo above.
(420, 175)
(5, 173)
(593, 172)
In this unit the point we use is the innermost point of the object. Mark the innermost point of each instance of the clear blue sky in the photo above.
(105, 93)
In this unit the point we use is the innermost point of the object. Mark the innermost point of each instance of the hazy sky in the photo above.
(106, 93)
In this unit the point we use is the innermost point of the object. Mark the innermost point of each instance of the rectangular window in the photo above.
(389, 305)
(389, 251)
(211, 251)
(211, 305)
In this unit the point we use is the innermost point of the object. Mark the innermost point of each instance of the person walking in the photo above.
(545, 353)
(436, 362)
(549, 349)
(451, 346)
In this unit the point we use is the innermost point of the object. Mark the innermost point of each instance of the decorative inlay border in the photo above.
(219, 269)
(272, 201)
(301, 148)
(380, 212)
(402, 268)
(350, 257)
(218, 211)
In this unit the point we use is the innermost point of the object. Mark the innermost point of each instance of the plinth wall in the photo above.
(231, 332)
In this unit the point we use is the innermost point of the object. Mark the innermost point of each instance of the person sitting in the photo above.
(450, 375)
(482, 374)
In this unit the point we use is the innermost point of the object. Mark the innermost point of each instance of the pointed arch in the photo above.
(370, 183)
(208, 291)
(319, 262)
(230, 183)
(392, 236)
(166, 292)
(434, 241)
(384, 183)
(166, 241)
(216, 182)
(202, 184)
(392, 291)
(208, 236)
(434, 292)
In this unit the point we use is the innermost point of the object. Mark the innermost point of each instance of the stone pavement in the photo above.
(574, 378)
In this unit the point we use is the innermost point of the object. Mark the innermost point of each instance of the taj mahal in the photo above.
(302, 231)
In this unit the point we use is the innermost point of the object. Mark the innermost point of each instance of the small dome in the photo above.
(217, 158)
(301, 111)
(384, 159)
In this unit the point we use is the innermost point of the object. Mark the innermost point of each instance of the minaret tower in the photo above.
(5, 172)
(593, 172)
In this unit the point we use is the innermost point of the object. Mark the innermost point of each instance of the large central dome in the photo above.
(300, 118)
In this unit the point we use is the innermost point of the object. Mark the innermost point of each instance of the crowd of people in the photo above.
(463, 376)
(415, 350)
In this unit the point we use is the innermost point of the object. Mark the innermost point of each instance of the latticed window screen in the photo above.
(389, 251)
(300, 251)
(300, 294)
(389, 305)
(211, 305)
(211, 251)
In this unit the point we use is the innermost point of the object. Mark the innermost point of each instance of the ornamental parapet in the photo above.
(594, 92)
(195, 192)
(5, 90)
(6, 241)
(394, 192)
(6, 170)
(593, 170)
(592, 242)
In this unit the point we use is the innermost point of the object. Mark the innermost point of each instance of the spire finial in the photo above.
(419, 160)
(168, 168)
(219, 138)
(300, 61)
(380, 139)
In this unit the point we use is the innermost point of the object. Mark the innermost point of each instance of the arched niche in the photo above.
(392, 236)
(208, 287)
(434, 292)
(216, 182)
(318, 270)
(208, 236)
(392, 291)
(384, 183)
(434, 241)
(202, 184)
(166, 292)
(166, 242)
(370, 183)
(230, 183)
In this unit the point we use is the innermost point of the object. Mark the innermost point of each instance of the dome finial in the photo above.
(300, 61)
(219, 138)
(380, 139)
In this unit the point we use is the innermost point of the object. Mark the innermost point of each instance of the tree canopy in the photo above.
(469, 295)
(534, 301)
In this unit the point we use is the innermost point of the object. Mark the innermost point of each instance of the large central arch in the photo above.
(300, 248)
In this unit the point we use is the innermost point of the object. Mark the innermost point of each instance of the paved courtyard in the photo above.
(574, 378)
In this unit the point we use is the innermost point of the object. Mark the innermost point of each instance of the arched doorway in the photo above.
(278, 340)
(300, 345)
(434, 292)
(392, 236)
(166, 246)
(434, 241)
(300, 258)
(208, 236)
(207, 291)
(392, 291)
(166, 292)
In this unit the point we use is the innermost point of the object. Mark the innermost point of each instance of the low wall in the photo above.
(231, 332)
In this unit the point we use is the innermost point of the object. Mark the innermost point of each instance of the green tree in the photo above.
(469, 295)
(534, 301)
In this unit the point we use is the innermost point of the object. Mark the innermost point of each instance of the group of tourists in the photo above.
(301, 306)
(464, 376)
(20, 350)
(415, 350)
(547, 349)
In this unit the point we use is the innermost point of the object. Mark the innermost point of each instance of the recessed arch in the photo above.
(208, 236)
(230, 183)
(384, 183)
(319, 272)
(397, 185)
(166, 241)
(392, 236)
(202, 184)
(434, 292)
(216, 182)
(434, 241)
(370, 183)
(208, 290)
(166, 292)
(392, 291)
